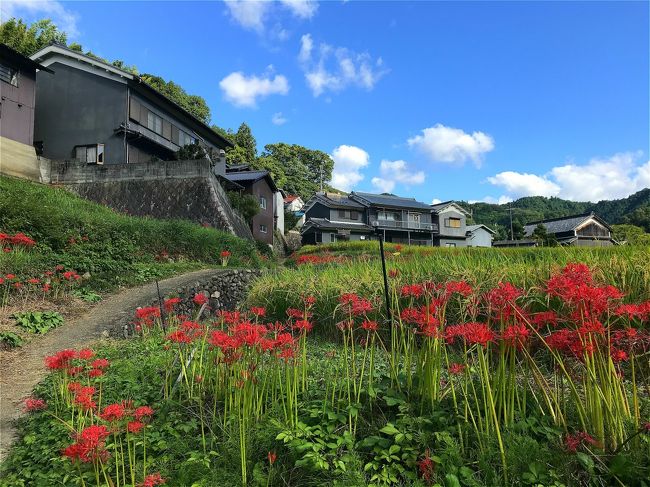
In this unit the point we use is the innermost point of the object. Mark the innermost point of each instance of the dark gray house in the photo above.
(331, 217)
(586, 230)
(93, 112)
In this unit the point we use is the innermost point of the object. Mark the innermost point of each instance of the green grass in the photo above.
(358, 270)
(116, 249)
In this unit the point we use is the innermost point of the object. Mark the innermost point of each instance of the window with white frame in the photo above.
(263, 202)
(450, 244)
(263, 228)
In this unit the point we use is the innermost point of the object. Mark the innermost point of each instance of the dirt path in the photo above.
(21, 370)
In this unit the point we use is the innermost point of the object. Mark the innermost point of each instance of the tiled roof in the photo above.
(472, 228)
(242, 176)
(325, 223)
(438, 207)
(390, 200)
(560, 225)
(336, 200)
(291, 198)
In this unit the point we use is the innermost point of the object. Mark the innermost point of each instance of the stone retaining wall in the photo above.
(226, 290)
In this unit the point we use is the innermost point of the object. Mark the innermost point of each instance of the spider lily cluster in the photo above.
(108, 440)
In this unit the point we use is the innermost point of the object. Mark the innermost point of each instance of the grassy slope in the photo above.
(114, 248)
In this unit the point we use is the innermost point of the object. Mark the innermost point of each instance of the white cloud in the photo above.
(249, 14)
(451, 145)
(501, 200)
(608, 178)
(278, 119)
(393, 172)
(337, 68)
(436, 201)
(523, 184)
(348, 162)
(63, 18)
(242, 90)
(254, 15)
(304, 9)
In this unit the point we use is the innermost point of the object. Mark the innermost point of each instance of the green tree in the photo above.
(630, 234)
(28, 40)
(246, 204)
(543, 238)
(304, 168)
(640, 217)
(194, 104)
(245, 150)
(517, 230)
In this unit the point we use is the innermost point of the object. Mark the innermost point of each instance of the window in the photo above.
(184, 139)
(332, 237)
(450, 244)
(354, 215)
(154, 122)
(452, 222)
(263, 228)
(341, 213)
(263, 202)
(9, 75)
(91, 154)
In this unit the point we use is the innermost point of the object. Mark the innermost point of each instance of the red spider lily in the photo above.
(412, 290)
(303, 326)
(516, 335)
(393, 273)
(618, 355)
(112, 413)
(295, 313)
(89, 445)
(272, 457)
(426, 466)
(142, 412)
(134, 427)
(456, 368)
(225, 253)
(33, 404)
(61, 360)
(310, 301)
(179, 336)
(171, 303)
(152, 480)
(369, 325)
(543, 318)
(94, 373)
(478, 333)
(639, 311)
(458, 287)
(200, 299)
(348, 298)
(100, 363)
(575, 441)
(258, 311)
(85, 354)
(502, 299)
(361, 307)
(33, 280)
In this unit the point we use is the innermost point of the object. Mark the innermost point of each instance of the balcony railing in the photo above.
(404, 225)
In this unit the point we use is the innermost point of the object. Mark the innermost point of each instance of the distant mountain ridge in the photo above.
(635, 210)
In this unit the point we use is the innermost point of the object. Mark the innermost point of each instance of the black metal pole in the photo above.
(383, 268)
(162, 310)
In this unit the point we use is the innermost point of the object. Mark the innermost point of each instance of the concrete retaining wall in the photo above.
(188, 190)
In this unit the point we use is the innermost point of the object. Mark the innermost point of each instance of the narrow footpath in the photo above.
(22, 369)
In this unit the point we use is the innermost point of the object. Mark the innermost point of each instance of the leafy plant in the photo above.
(10, 340)
(87, 295)
(39, 322)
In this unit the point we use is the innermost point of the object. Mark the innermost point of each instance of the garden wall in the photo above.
(225, 288)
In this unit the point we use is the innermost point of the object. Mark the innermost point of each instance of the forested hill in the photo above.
(635, 210)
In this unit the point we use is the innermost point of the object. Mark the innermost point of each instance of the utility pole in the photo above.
(512, 235)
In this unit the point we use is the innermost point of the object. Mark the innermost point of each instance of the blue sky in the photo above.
(437, 100)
